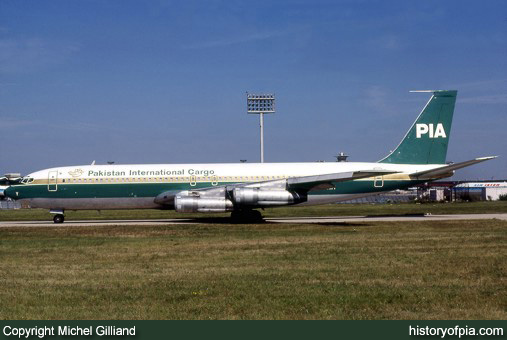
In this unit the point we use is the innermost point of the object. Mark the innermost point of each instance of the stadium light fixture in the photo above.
(260, 104)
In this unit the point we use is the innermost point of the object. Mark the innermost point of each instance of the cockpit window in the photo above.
(27, 180)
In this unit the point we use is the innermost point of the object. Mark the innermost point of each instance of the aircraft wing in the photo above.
(303, 183)
(321, 182)
(427, 174)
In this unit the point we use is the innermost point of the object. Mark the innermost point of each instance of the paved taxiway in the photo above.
(337, 219)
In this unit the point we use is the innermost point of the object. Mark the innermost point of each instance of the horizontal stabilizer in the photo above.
(448, 168)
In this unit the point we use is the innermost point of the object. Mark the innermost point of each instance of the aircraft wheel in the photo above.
(58, 218)
(246, 216)
(256, 216)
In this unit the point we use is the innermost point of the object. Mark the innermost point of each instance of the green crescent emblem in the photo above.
(76, 173)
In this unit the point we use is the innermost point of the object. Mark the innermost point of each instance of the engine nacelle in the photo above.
(264, 197)
(202, 204)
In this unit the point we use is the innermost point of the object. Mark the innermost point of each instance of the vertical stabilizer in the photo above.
(426, 141)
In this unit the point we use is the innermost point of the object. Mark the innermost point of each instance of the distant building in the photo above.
(441, 191)
(480, 191)
(462, 190)
(341, 157)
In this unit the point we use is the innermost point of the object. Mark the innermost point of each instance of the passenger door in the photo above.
(53, 181)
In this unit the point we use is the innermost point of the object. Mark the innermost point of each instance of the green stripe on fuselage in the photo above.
(120, 190)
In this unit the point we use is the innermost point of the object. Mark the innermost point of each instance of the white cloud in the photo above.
(14, 123)
(388, 42)
(486, 99)
(29, 55)
(259, 36)
(376, 96)
(479, 84)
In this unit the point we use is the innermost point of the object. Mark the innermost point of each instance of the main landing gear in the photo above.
(246, 216)
(58, 218)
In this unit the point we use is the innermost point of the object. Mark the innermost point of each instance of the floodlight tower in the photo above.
(260, 104)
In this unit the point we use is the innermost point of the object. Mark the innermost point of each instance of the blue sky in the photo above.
(165, 81)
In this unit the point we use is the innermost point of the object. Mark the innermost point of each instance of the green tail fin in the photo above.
(426, 141)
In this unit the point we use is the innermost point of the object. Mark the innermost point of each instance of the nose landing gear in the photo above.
(58, 218)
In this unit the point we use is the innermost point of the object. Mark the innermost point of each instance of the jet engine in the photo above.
(252, 197)
(202, 204)
(222, 200)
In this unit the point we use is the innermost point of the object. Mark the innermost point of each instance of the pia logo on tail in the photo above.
(428, 129)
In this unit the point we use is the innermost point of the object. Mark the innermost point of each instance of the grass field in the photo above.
(299, 211)
(396, 270)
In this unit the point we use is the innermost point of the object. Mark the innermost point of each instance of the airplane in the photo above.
(243, 187)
